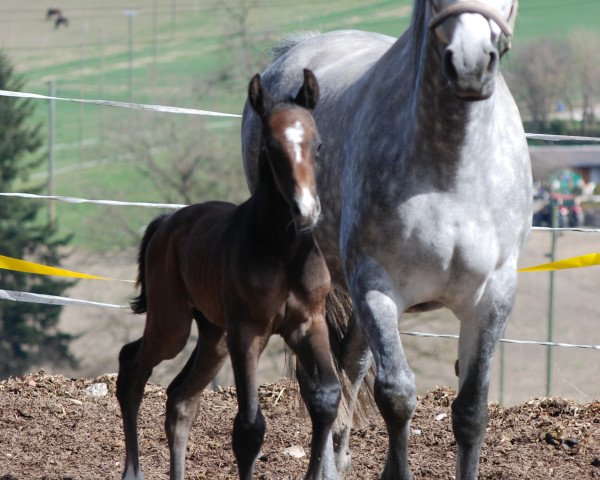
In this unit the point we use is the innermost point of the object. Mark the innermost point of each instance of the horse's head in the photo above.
(471, 36)
(292, 141)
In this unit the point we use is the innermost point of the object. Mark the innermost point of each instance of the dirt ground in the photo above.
(50, 428)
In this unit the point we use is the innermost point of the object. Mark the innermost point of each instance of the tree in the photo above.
(28, 332)
(539, 77)
(245, 45)
(585, 46)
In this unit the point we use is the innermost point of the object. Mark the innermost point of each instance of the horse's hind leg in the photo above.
(319, 387)
(356, 359)
(184, 391)
(481, 328)
(136, 361)
(395, 391)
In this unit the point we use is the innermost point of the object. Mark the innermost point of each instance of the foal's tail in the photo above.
(138, 304)
(341, 334)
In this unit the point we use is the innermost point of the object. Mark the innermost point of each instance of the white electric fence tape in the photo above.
(129, 105)
(51, 299)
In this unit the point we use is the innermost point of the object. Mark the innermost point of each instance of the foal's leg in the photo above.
(395, 391)
(319, 387)
(136, 361)
(480, 329)
(184, 391)
(246, 342)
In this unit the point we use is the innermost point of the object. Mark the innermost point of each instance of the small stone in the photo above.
(295, 451)
(440, 416)
(596, 462)
(415, 431)
(97, 390)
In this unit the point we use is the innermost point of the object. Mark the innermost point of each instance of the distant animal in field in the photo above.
(52, 12)
(242, 273)
(61, 20)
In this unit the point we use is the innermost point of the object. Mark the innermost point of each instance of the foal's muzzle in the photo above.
(306, 211)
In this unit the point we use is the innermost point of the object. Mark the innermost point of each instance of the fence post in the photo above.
(130, 14)
(501, 387)
(554, 217)
(51, 147)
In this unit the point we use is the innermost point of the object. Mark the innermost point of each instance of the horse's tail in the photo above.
(138, 304)
(280, 49)
(338, 313)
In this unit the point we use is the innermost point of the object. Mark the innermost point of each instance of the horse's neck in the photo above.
(437, 128)
(453, 124)
(270, 217)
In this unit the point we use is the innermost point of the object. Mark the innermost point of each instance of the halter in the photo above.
(476, 6)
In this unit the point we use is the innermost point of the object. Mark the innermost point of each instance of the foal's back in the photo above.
(188, 251)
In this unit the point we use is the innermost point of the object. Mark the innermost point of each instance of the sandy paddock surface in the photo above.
(51, 429)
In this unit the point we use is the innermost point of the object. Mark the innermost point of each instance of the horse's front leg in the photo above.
(378, 310)
(481, 326)
(319, 387)
(246, 342)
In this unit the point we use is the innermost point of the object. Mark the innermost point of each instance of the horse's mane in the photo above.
(281, 48)
(419, 29)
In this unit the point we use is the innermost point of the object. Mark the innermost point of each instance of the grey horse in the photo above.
(425, 184)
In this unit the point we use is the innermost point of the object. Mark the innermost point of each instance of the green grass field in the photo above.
(179, 52)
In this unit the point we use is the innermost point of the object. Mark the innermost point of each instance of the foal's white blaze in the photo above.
(295, 135)
(306, 202)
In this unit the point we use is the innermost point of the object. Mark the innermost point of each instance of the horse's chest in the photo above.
(445, 241)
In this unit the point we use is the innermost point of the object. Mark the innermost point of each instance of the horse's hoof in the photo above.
(343, 462)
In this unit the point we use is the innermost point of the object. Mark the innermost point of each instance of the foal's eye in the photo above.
(319, 148)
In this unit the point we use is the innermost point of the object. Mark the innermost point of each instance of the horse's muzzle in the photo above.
(471, 77)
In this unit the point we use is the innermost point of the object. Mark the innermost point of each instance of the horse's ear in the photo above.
(308, 95)
(259, 98)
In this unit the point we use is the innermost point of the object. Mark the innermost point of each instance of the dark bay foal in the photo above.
(242, 273)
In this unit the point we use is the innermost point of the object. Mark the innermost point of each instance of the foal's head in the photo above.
(291, 141)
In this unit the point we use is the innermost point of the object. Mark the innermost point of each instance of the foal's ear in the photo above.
(259, 98)
(308, 95)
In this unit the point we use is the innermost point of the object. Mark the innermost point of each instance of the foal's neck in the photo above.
(271, 220)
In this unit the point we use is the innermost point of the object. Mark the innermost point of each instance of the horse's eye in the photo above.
(319, 148)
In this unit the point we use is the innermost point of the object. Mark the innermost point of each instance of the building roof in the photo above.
(545, 159)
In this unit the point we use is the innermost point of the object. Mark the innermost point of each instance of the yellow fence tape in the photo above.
(589, 260)
(8, 263)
